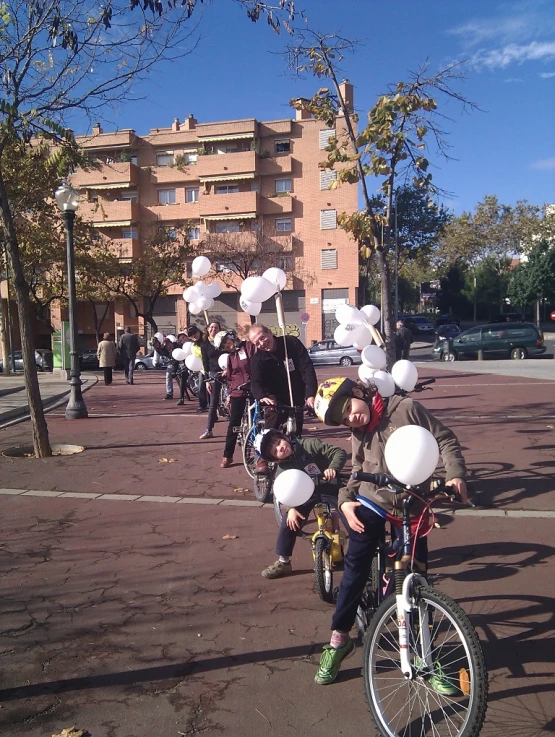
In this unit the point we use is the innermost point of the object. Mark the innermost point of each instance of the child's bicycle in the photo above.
(423, 667)
(327, 545)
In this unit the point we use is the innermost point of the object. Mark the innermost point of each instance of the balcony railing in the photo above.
(109, 214)
(280, 204)
(172, 213)
(226, 165)
(275, 166)
(120, 175)
(125, 247)
(219, 205)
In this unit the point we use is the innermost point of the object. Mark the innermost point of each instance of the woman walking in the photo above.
(238, 372)
(106, 354)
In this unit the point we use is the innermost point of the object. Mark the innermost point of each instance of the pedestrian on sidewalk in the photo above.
(195, 335)
(106, 354)
(224, 342)
(182, 372)
(129, 347)
(238, 372)
(403, 340)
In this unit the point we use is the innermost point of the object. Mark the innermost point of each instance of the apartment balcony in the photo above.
(249, 240)
(227, 130)
(172, 213)
(275, 166)
(171, 174)
(110, 214)
(121, 175)
(278, 205)
(222, 167)
(223, 206)
(125, 247)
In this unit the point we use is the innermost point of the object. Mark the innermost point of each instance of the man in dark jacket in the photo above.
(128, 346)
(403, 340)
(269, 376)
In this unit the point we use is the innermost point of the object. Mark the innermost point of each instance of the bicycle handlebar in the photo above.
(419, 386)
(396, 487)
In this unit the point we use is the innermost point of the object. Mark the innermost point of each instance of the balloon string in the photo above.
(281, 322)
(206, 318)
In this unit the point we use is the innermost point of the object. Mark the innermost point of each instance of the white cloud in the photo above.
(547, 75)
(519, 22)
(514, 53)
(513, 80)
(544, 164)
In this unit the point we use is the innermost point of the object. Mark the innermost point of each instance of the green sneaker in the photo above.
(330, 662)
(441, 683)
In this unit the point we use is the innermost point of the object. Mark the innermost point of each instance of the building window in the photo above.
(324, 137)
(227, 188)
(190, 157)
(283, 146)
(328, 219)
(194, 233)
(191, 194)
(327, 178)
(166, 196)
(227, 227)
(283, 185)
(283, 225)
(130, 196)
(133, 159)
(165, 159)
(129, 233)
(328, 258)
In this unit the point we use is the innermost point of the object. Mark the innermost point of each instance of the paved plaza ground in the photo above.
(132, 602)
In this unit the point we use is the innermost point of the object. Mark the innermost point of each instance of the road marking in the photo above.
(211, 501)
(439, 413)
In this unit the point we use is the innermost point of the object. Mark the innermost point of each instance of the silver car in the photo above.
(143, 363)
(328, 351)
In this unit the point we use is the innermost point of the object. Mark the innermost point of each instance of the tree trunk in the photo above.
(383, 268)
(4, 339)
(41, 443)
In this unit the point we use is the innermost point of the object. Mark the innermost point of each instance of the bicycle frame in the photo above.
(324, 521)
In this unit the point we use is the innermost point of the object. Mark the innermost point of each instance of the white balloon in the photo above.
(374, 357)
(190, 294)
(193, 363)
(205, 303)
(371, 314)
(201, 266)
(405, 374)
(365, 373)
(293, 487)
(178, 354)
(257, 289)
(159, 336)
(251, 308)
(411, 454)
(187, 348)
(384, 383)
(345, 314)
(276, 276)
(364, 338)
(345, 335)
(200, 289)
(222, 361)
(194, 309)
(213, 290)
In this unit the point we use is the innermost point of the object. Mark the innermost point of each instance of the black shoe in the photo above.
(168, 396)
(178, 404)
(201, 409)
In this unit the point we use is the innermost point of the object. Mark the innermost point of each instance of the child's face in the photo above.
(356, 413)
(281, 450)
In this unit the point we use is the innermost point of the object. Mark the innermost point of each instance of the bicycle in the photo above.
(418, 641)
(327, 545)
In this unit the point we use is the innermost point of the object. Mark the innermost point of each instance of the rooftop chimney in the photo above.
(301, 113)
(96, 129)
(175, 124)
(190, 123)
(346, 89)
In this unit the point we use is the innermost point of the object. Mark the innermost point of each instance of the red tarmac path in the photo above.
(137, 619)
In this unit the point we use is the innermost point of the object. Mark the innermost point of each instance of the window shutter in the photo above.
(328, 219)
(325, 136)
(328, 258)
(326, 178)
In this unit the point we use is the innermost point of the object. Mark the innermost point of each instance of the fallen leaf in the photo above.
(241, 490)
(549, 427)
(311, 428)
(167, 460)
(72, 732)
(230, 537)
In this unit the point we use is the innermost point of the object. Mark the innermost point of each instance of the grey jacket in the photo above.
(368, 451)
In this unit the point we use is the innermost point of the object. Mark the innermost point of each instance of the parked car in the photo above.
(512, 340)
(448, 331)
(423, 324)
(328, 351)
(144, 363)
(509, 317)
(88, 360)
(447, 320)
(44, 360)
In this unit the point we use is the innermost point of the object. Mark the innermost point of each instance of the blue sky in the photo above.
(506, 149)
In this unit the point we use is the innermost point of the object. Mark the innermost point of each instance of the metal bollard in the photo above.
(480, 355)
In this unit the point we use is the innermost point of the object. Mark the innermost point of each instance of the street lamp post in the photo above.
(67, 200)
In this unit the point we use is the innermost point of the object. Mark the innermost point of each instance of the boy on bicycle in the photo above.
(315, 458)
(372, 419)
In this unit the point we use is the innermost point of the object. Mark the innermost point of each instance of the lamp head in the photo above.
(67, 198)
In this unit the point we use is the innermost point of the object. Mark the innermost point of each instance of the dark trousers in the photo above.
(362, 546)
(214, 402)
(202, 393)
(183, 378)
(274, 418)
(107, 375)
(128, 368)
(236, 408)
(287, 538)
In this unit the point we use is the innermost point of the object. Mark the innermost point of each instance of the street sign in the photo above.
(553, 315)
(305, 317)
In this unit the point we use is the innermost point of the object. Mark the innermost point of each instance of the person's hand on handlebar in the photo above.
(268, 400)
(349, 510)
(310, 402)
(294, 518)
(329, 474)
(459, 485)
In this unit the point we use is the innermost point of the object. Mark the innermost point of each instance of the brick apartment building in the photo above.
(231, 175)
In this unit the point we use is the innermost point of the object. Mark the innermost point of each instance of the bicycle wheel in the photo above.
(250, 459)
(369, 599)
(263, 487)
(446, 699)
(279, 511)
(323, 568)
